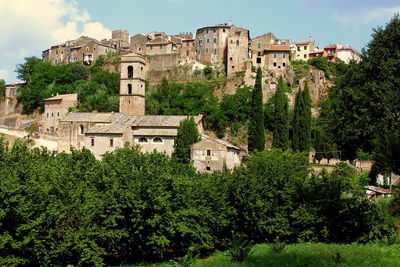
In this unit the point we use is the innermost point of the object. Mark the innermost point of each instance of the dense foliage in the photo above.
(97, 90)
(187, 135)
(256, 132)
(281, 117)
(2, 87)
(301, 122)
(132, 207)
(365, 101)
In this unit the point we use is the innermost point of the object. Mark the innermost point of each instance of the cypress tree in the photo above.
(307, 119)
(256, 133)
(301, 123)
(281, 117)
(297, 121)
(187, 135)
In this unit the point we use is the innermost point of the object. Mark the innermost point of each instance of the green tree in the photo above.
(301, 122)
(187, 136)
(281, 117)
(2, 87)
(256, 132)
(365, 99)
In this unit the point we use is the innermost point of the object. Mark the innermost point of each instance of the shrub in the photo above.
(240, 248)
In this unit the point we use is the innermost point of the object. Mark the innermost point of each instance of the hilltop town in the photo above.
(216, 149)
(149, 58)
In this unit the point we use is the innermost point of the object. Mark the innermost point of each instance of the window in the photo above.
(62, 52)
(237, 42)
(52, 114)
(284, 64)
(259, 54)
(143, 140)
(209, 152)
(259, 60)
(58, 114)
(47, 114)
(111, 142)
(161, 46)
(157, 140)
(231, 58)
(92, 141)
(223, 30)
(215, 51)
(129, 89)
(130, 72)
(206, 50)
(206, 31)
(275, 54)
(284, 54)
(81, 129)
(208, 40)
(233, 67)
(215, 30)
(305, 55)
(274, 64)
(208, 168)
(305, 47)
(298, 48)
(187, 53)
(259, 45)
(151, 47)
(215, 40)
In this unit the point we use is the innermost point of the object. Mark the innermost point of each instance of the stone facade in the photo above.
(138, 43)
(9, 103)
(132, 85)
(211, 44)
(54, 108)
(258, 47)
(211, 154)
(84, 49)
(277, 57)
(238, 51)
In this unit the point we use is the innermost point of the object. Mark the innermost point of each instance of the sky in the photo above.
(30, 26)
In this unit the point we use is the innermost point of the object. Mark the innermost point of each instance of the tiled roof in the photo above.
(59, 97)
(378, 189)
(87, 117)
(120, 123)
(278, 48)
(222, 142)
(305, 42)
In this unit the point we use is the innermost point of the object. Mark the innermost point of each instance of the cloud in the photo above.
(29, 27)
(4, 75)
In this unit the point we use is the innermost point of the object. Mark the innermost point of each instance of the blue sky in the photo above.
(30, 26)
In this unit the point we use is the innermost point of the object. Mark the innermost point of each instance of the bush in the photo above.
(240, 248)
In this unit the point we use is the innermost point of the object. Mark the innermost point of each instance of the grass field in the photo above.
(302, 255)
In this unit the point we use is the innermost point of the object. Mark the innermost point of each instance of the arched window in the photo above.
(130, 72)
(129, 89)
(157, 140)
(143, 140)
(81, 129)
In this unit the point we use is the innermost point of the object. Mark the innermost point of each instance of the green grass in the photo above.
(310, 255)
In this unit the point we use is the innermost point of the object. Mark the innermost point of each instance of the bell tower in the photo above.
(132, 85)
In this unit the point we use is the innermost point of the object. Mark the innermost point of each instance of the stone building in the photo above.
(149, 132)
(303, 50)
(8, 102)
(84, 49)
(105, 132)
(277, 57)
(211, 154)
(258, 47)
(238, 51)
(138, 43)
(211, 44)
(132, 85)
(54, 108)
